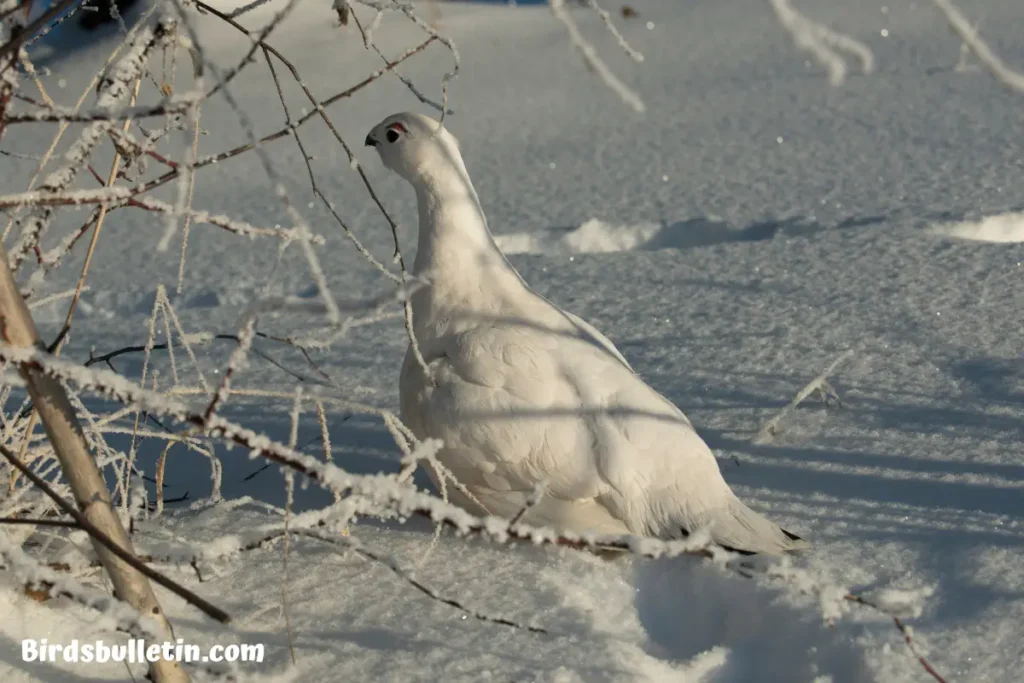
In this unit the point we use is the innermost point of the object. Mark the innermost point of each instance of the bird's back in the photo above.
(535, 396)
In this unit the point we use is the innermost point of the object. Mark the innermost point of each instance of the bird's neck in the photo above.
(456, 251)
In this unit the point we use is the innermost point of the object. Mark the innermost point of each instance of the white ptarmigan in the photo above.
(524, 394)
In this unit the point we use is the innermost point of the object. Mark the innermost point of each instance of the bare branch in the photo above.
(770, 428)
(593, 60)
(973, 40)
(110, 544)
(822, 42)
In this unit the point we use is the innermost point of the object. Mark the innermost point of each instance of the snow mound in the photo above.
(595, 236)
(1001, 228)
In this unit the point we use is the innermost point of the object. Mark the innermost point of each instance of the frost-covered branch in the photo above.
(109, 114)
(113, 90)
(593, 60)
(968, 33)
(37, 27)
(121, 615)
(113, 546)
(80, 469)
(824, 44)
(118, 196)
(820, 383)
(897, 604)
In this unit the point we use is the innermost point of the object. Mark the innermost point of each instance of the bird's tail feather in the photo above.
(740, 528)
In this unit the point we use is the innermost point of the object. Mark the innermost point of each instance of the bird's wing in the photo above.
(664, 480)
(584, 329)
(508, 419)
(519, 406)
(661, 476)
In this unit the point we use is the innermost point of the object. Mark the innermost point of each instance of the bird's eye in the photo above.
(391, 135)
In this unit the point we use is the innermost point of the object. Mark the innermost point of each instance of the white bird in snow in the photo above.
(526, 395)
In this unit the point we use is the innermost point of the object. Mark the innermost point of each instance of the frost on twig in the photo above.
(824, 44)
(119, 615)
(593, 60)
(117, 547)
(968, 33)
(409, 11)
(80, 469)
(820, 383)
(606, 18)
(112, 90)
(247, 7)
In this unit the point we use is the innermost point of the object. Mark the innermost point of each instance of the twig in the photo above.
(194, 154)
(241, 149)
(63, 126)
(106, 115)
(114, 165)
(593, 60)
(822, 42)
(405, 81)
(289, 484)
(531, 501)
(770, 428)
(263, 468)
(397, 570)
(79, 467)
(40, 522)
(972, 39)
(408, 10)
(905, 631)
(319, 110)
(312, 178)
(315, 532)
(325, 438)
(207, 608)
(93, 359)
(112, 91)
(127, 617)
(40, 23)
(236, 362)
(606, 18)
(290, 479)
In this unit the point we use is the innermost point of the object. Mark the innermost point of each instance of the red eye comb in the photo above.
(398, 127)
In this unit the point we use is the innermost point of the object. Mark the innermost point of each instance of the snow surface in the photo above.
(776, 223)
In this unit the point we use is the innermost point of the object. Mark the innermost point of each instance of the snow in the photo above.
(798, 221)
(592, 236)
(595, 236)
(1000, 228)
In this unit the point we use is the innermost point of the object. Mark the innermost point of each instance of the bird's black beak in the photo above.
(370, 142)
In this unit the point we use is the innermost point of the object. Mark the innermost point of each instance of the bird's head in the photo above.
(415, 146)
